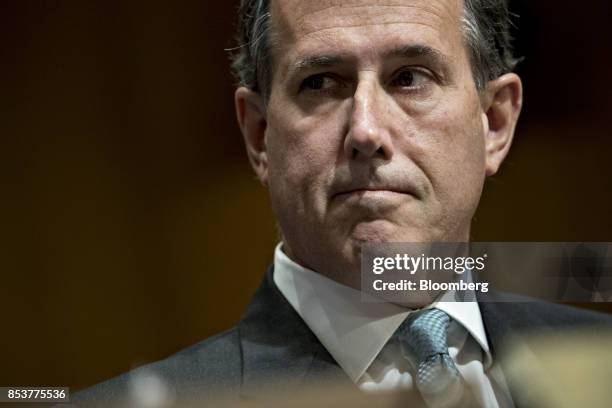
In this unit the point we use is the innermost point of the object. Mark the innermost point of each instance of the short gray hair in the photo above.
(486, 27)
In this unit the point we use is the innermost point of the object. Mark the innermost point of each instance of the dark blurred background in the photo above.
(132, 225)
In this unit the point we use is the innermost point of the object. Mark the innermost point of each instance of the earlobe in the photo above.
(504, 97)
(251, 115)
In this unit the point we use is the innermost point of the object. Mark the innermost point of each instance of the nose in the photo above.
(368, 135)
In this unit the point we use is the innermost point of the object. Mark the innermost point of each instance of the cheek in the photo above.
(302, 153)
(453, 153)
(464, 144)
(464, 172)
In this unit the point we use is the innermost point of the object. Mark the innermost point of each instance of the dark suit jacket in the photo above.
(273, 346)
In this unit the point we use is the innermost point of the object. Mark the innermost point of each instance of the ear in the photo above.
(251, 115)
(502, 106)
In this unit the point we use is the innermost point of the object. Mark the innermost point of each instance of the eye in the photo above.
(405, 78)
(314, 82)
(411, 78)
(318, 82)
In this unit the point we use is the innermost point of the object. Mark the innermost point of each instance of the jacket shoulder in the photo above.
(564, 315)
(200, 371)
(524, 310)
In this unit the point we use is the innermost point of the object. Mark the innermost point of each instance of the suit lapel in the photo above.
(278, 348)
(505, 318)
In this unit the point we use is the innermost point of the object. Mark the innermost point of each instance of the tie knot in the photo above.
(424, 333)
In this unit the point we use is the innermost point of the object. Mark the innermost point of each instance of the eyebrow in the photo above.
(411, 51)
(317, 61)
(419, 51)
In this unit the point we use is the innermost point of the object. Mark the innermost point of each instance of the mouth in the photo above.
(375, 193)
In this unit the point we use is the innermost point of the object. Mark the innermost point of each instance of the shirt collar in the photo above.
(468, 315)
(354, 332)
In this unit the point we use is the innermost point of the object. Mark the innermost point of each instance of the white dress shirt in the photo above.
(357, 334)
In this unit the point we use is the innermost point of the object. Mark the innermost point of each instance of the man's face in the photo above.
(374, 129)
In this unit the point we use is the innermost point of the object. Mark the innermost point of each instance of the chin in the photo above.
(380, 231)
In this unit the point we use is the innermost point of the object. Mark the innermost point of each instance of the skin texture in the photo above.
(374, 130)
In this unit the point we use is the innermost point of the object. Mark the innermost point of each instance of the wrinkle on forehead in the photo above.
(373, 24)
(317, 15)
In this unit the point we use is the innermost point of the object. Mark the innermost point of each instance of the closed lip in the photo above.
(365, 190)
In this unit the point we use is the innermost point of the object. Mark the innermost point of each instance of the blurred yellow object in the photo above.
(570, 370)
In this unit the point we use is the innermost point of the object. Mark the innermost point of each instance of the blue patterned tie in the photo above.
(423, 339)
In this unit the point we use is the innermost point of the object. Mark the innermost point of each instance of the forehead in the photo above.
(364, 26)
